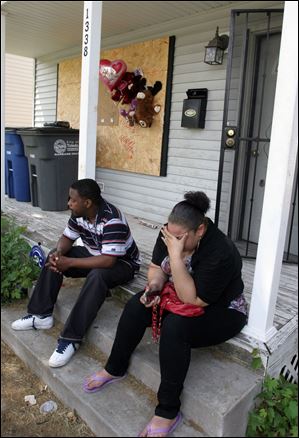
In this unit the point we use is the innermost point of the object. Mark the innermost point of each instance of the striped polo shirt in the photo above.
(109, 235)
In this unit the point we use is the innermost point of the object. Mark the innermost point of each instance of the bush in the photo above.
(18, 271)
(277, 411)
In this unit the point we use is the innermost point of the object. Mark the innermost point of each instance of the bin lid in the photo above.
(60, 123)
(47, 131)
(14, 129)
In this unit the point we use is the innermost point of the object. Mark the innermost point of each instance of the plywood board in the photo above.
(108, 110)
(68, 97)
(136, 149)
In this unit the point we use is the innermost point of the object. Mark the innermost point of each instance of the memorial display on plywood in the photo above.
(134, 105)
(136, 142)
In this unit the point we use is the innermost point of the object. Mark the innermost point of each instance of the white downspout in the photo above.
(279, 183)
(91, 45)
(2, 110)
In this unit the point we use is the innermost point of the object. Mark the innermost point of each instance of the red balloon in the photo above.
(111, 72)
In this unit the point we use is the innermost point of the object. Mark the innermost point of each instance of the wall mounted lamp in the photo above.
(215, 49)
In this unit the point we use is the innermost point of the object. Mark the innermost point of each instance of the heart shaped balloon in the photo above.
(111, 72)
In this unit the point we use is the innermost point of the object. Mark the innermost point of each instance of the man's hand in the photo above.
(51, 263)
(58, 263)
(62, 263)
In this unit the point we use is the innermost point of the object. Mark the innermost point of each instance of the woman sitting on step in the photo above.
(197, 269)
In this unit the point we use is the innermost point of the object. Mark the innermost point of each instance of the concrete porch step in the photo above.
(121, 410)
(218, 391)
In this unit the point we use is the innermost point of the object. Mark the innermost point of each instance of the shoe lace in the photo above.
(62, 346)
(27, 317)
(30, 317)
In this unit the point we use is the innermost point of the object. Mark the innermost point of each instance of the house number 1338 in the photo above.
(86, 34)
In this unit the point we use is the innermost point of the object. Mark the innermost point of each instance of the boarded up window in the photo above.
(120, 146)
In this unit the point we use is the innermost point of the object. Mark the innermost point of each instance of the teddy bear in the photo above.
(145, 108)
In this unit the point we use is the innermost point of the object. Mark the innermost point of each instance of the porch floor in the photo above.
(47, 226)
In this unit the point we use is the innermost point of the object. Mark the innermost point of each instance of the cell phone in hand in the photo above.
(150, 295)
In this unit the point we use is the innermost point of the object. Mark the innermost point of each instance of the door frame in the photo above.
(250, 52)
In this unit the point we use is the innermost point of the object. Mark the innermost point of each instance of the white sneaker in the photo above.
(30, 322)
(63, 353)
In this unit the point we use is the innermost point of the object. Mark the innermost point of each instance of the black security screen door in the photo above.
(248, 110)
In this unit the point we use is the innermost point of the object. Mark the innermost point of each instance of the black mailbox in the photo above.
(194, 108)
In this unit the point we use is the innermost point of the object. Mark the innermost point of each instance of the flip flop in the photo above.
(104, 380)
(166, 430)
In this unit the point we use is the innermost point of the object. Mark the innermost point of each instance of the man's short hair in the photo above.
(89, 189)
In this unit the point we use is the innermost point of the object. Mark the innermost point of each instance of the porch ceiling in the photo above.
(36, 29)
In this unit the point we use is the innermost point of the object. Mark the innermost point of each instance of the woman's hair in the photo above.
(89, 189)
(190, 212)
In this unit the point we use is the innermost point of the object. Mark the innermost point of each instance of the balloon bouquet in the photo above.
(111, 73)
(129, 88)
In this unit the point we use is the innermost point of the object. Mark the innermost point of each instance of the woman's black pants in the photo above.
(92, 295)
(178, 335)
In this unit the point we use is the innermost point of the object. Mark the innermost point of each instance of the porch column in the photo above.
(91, 44)
(2, 110)
(279, 183)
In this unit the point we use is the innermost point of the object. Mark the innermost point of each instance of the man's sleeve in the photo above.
(116, 238)
(71, 231)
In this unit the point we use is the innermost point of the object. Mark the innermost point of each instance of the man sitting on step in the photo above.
(110, 257)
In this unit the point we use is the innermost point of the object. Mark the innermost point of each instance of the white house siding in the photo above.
(45, 92)
(193, 154)
(19, 83)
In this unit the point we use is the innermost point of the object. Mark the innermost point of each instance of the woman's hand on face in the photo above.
(174, 244)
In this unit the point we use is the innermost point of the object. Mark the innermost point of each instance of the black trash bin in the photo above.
(52, 154)
(16, 167)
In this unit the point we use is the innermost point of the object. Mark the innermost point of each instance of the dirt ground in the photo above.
(19, 419)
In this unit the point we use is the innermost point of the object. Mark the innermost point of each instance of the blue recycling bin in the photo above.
(9, 189)
(16, 167)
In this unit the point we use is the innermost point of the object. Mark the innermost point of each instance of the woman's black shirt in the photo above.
(216, 267)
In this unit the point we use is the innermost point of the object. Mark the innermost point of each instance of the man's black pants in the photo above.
(178, 335)
(93, 293)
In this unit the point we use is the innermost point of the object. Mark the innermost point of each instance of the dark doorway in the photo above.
(248, 111)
